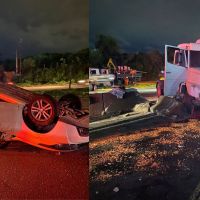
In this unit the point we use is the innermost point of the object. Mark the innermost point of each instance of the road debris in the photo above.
(118, 92)
(157, 162)
(107, 105)
(170, 107)
(116, 189)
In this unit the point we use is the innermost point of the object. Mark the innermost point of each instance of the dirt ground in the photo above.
(159, 162)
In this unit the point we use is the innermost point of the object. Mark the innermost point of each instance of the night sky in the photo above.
(38, 26)
(140, 25)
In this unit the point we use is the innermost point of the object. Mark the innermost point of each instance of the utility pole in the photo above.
(18, 70)
(18, 64)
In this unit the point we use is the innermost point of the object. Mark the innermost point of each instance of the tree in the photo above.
(96, 58)
(83, 61)
(108, 47)
(29, 69)
(157, 62)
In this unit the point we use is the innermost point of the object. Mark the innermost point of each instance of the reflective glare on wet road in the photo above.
(27, 172)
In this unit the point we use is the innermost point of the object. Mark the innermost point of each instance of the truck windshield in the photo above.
(93, 72)
(195, 59)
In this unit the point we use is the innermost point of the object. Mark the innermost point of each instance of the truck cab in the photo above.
(182, 76)
(182, 70)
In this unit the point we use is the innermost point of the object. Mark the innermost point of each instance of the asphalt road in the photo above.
(27, 172)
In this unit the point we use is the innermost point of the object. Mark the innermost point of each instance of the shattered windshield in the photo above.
(195, 59)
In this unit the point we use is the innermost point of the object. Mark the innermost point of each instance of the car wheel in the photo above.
(42, 110)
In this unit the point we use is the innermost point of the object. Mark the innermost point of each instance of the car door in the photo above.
(176, 65)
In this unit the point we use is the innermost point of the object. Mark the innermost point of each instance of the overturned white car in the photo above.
(41, 121)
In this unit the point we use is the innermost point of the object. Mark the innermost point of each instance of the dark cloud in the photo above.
(144, 24)
(47, 25)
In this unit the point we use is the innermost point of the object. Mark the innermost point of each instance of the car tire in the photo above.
(41, 111)
(68, 104)
(71, 101)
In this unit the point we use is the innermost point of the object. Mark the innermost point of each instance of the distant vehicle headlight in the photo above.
(81, 81)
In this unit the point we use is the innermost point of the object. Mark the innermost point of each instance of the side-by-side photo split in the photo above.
(99, 100)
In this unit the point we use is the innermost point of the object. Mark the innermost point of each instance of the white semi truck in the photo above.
(182, 74)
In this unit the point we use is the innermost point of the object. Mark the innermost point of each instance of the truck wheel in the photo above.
(42, 110)
(187, 101)
(185, 98)
(183, 89)
(182, 92)
(90, 87)
(94, 88)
